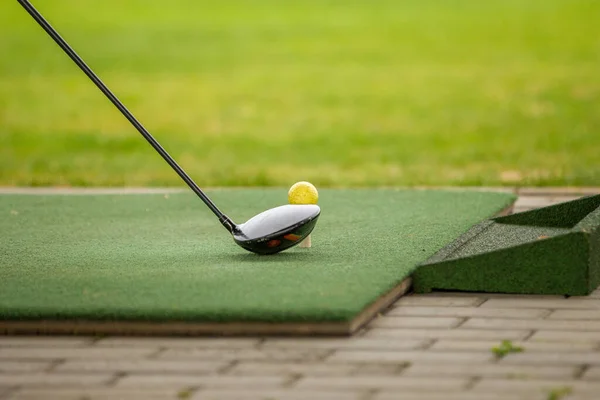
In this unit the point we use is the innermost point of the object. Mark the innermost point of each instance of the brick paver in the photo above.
(25, 365)
(566, 336)
(94, 393)
(526, 345)
(592, 374)
(428, 347)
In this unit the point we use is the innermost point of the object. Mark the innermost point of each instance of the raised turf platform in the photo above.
(162, 264)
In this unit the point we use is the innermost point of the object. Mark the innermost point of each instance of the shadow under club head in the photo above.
(277, 229)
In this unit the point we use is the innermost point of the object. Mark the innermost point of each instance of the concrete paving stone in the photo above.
(543, 201)
(529, 346)
(490, 370)
(41, 341)
(408, 395)
(100, 393)
(410, 356)
(129, 366)
(535, 385)
(243, 354)
(565, 336)
(557, 191)
(431, 384)
(515, 296)
(278, 394)
(24, 366)
(42, 353)
(575, 315)
(529, 203)
(416, 322)
(518, 210)
(5, 391)
(378, 369)
(438, 301)
(548, 304)
(594, 295)
(542, 324)
(556, 358)
(252, 368)
(228, 343)
(456, 334)
(204, 381)
(592, 374)
(345, 343)
(466, 312)
(54, 379)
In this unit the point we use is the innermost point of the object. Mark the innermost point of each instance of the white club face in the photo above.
(277, 219)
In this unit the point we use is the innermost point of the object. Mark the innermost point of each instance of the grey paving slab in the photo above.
(124, 365)
(424, 384)
(566, 336)
(5, 391)
(52, 353)
(463, 395)
(55, 379)
(96, 393)
(180, 342)
(25, 366)
(205, 381)
(553, 358)
(455, 333)
(275, 355)
(467, 312)
(357, 343)
(456, 357)
(279, 394)
(592, 374)
(46, 342)
(536, 386)
(526, 346)
(492, 370)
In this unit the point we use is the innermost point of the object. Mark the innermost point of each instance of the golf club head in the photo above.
(277, 229)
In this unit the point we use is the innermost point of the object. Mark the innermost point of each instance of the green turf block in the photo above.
(551, 250)
(157, 258)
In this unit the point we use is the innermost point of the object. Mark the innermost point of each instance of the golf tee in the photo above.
(305, 242)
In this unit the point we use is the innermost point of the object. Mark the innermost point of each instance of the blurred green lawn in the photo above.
(338, 92)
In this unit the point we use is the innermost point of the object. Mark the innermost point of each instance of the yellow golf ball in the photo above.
(303, 193)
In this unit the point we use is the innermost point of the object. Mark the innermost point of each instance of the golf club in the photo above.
(269, 232)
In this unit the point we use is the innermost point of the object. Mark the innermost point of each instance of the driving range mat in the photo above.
(163, 264)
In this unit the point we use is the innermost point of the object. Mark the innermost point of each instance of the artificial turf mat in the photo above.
(552, 250)
(160, 258)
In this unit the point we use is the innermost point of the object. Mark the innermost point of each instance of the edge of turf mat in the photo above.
(138, 328)
(553, 250)
(40, 319)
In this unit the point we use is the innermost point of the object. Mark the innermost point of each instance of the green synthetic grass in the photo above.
(340, 93)
(152, 257)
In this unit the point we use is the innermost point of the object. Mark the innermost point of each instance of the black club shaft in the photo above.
(229, 225)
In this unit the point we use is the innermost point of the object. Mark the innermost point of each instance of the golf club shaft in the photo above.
(229, 225)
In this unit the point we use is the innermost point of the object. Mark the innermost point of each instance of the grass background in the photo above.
(341, 93)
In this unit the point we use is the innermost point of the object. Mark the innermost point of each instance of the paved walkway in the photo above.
(426, 347)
